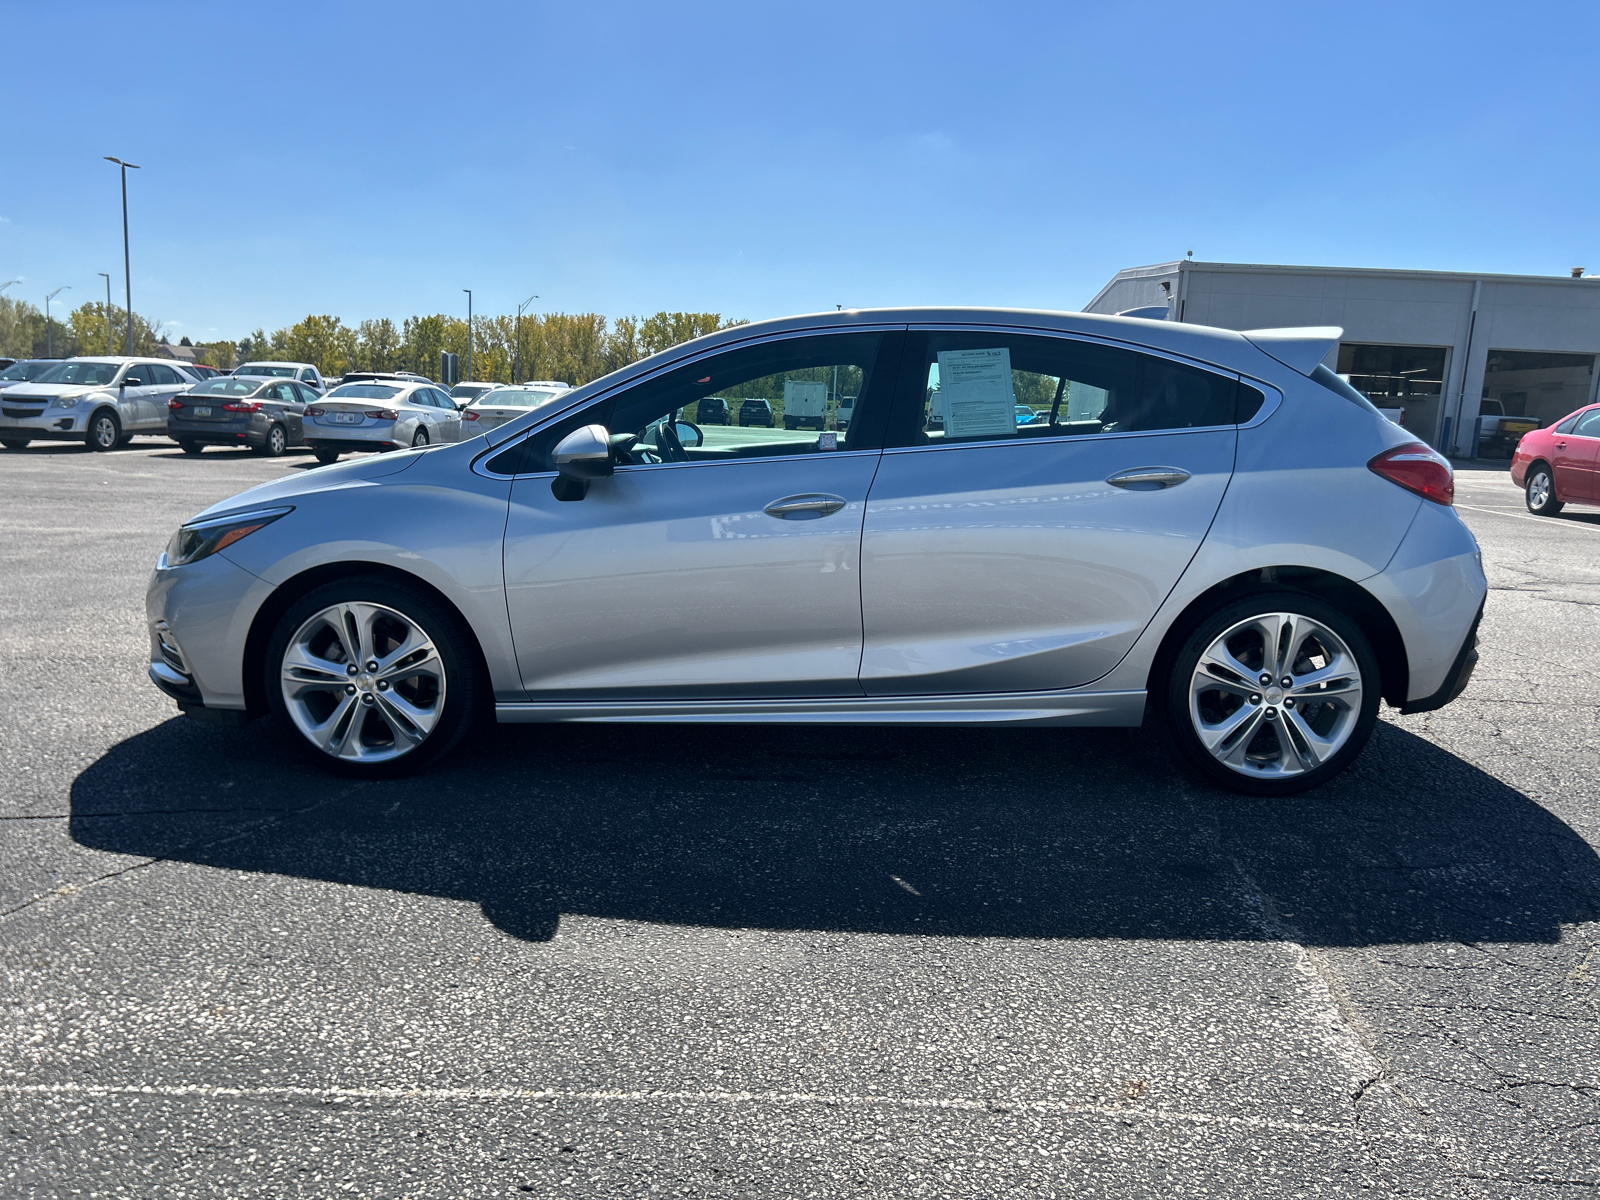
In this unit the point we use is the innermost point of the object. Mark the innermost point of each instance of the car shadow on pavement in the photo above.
(951, 832)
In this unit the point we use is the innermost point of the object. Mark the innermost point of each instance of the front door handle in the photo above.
(805, 508)
(1148, 479)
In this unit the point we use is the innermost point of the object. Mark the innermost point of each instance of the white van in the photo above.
(805, 403)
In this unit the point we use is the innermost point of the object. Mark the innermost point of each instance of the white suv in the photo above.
(102, 401)
(303, 373)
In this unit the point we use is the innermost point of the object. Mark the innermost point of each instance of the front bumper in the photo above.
(53, 424)
(199, 618)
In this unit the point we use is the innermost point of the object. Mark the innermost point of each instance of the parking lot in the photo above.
(612, 960)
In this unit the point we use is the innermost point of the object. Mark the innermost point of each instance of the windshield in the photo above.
(273, 372)
(226, 386)
(515, 398)
(83, 374)
(25, 370)
(363, 391)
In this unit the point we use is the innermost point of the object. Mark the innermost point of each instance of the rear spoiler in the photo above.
(1301, 349)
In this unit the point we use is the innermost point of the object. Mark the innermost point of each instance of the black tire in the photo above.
(1540, 482)
(104, 431)
(1173, 700)
(276, 443)
(189, 447)
(420, 438)
(465, 690)
(14, 443)
(325, 457)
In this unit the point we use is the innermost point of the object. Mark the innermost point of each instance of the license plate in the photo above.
(347, 418)
(202, 412)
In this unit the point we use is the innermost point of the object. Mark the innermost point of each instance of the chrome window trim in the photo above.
(544, 421)
(1274, 397)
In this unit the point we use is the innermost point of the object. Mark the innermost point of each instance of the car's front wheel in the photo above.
(1272, 694)
(14, 443)
(1541, 492)
(376, 678)
(105, 431)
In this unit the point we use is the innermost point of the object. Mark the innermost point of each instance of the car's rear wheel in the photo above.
(376, 678)
(326, 456)
(1541, 491)
(420, 438)
(276, 443)
(1272, 694)
(15, 443)
(105, 431)
(189, 447)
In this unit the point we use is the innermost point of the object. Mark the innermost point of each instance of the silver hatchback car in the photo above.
(1207, 530)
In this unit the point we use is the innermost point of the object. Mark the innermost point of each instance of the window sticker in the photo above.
(975, 394)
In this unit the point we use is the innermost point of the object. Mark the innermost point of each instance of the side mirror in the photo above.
(133, 381)
(583, 455)
(461, 405)
(688, 434)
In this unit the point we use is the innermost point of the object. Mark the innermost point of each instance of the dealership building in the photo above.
(1435, 343)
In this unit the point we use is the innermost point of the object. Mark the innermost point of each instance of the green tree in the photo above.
(377, 345)
(325, 342)
(668, 329)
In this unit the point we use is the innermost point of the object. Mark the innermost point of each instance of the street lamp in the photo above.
(127, 274)
(468, 291)
(516, 371)
(8, 283)
(49, 343)
(107, 278)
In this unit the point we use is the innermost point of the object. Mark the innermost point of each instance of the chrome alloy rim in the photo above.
(277, 440)
(1539, 490)
(1275, 695)
(363, 682)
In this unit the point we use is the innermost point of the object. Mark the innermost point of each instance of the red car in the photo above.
(1558, 466)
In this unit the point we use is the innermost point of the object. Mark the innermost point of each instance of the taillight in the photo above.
(174, 404)
(382, 414)
(469, 416)
(241, 408)
(1419, 469)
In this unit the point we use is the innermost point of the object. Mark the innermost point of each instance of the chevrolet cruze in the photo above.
(1204, 529)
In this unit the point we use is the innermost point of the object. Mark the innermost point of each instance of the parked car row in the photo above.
(266, 407)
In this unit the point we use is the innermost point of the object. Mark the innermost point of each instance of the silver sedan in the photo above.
(380, 415)
(1204, 529)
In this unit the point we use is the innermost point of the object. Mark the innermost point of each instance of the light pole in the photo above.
(468, 291)
(49, 343)
(516, 371)
(107, 278)
(8, 283)
(127, 274)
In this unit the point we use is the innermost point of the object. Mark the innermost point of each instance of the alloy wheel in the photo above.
(1275, 695)
(277, 441)
(103, 432)
(363, 682)
(421, 438)
(1541, 490)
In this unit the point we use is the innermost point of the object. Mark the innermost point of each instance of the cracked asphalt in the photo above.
(763, 962)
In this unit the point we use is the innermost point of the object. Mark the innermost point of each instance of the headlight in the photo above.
(66, 402)
(201, 539)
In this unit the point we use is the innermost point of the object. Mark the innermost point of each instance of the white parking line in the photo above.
(998, 1104)
(1547, 522)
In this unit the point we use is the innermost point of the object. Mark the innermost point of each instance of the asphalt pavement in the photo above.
(739, 962)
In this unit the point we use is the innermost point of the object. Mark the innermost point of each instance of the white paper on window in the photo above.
(975, 392)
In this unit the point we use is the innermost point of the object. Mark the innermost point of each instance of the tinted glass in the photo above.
(270, 372)
(80, 373)
(159, 376)
(226, 386)
(1589, 424)
(364, 391)
(984, 386)
(1566, 426)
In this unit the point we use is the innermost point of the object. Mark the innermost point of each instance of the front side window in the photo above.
(987, 386)
(1589, 424)
(677, 417)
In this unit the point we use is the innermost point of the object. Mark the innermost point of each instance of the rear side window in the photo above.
(988, 386)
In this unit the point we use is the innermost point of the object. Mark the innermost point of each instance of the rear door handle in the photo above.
(805, 508)
(1148, 479)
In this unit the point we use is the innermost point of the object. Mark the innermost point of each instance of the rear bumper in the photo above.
(349, 445)
(1455, 682)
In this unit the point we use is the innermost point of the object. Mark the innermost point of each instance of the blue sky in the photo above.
(755, 159)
